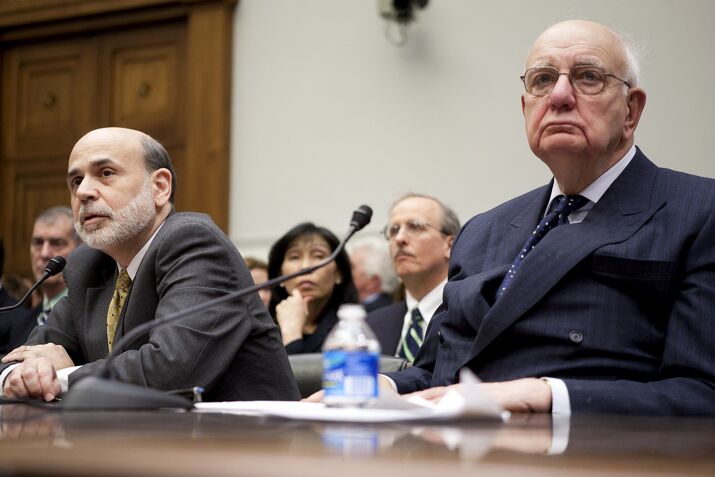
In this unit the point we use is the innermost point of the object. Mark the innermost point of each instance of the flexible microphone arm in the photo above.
(53, 267)
(361, 217)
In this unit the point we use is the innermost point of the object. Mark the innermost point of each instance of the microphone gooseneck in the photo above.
(86, 393)
(53, 267)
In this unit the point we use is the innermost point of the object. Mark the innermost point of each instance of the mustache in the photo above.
(92, 209)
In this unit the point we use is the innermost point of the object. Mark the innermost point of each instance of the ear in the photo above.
(448, 250)
(635, 102)
(161, 182)
(523, 104)
(338, 276)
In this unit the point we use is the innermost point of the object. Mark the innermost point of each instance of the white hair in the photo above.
(377, 260)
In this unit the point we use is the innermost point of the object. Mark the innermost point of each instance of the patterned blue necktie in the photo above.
(563, 206)
(411, 342)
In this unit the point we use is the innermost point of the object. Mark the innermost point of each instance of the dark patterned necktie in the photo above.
(563, 206)
(412, 340)
(42, 317)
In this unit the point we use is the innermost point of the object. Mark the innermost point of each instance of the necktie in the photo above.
(412, 340)
(563, 206)
(121, 290)
(42, 317)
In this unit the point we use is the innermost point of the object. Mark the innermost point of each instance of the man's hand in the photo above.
(521, 395)
(34, 378)
(55, 353)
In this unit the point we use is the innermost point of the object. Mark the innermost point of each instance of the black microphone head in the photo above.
(55, 266)
(361, 217)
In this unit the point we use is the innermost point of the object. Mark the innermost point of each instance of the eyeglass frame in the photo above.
(422, 228)
(571, 81)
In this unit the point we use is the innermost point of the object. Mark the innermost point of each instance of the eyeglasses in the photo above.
(585, 79)
(411, 228)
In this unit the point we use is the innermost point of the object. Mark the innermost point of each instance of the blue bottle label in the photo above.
(350, 374)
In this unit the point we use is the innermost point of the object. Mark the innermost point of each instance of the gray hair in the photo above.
(377, 260)
(156, 157)
(49, 216)
(450, 222)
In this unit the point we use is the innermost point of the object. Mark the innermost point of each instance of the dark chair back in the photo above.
(308, 370)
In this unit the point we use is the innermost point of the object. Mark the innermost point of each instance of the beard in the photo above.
(123, 224)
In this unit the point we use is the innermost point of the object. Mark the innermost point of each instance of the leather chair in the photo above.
(308, 370)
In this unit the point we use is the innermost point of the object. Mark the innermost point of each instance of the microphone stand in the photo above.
(53, 267)
(100, 392)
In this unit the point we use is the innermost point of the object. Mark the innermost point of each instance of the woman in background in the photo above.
(306, 307)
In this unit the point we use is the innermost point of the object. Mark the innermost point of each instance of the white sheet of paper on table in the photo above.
(469, 402)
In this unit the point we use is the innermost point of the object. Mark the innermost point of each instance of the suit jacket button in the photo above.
(576, 336)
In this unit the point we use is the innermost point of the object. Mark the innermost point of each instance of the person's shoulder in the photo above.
(395, 309)
(85, 262)
(507, 210)
(191, 223)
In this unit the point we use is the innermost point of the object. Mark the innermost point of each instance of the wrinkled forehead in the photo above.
(118, 145)
(57, 227)
(416, 208)
(578, 42)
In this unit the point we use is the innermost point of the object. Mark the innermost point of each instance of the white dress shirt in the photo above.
(427, 306)
(560, 402)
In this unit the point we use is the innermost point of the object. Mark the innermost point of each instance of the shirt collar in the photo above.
(49, 303)
(597, 188)
(133, 266)
(429, 303)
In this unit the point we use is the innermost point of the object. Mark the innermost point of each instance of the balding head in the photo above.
(580, 130)
(119, 197)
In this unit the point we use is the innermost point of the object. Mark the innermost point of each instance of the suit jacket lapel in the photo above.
(622, 210)
(96, 306)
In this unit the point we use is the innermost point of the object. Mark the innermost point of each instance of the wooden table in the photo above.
(49, 442)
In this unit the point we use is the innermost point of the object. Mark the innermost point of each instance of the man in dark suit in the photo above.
(373, 275)
(613, 306)
(9, 318)
(420, 231)
(143, 261)
(53, 234)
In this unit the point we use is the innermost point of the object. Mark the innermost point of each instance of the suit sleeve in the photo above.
(686, 384)
(193, 264)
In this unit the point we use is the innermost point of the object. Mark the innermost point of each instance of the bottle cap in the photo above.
(351, 312)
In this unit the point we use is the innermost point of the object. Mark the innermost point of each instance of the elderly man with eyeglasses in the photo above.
(420, 231)
(596, 292)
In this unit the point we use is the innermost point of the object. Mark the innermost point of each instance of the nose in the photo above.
(46, 252)
(401, 235)
(85, 190)
(563, 95)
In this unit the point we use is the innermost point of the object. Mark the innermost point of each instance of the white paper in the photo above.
(469, 402)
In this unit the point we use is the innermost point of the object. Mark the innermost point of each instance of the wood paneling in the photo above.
(159, 66)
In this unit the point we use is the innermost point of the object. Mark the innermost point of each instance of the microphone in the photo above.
(53, 267)
(101, 392)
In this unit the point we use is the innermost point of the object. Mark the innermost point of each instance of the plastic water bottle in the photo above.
(351, 356)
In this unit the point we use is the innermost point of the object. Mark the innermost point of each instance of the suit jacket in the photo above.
(381, 300)
(11, 322)
(619, 306)
(233, 350)
(313, 343)
(387, 323)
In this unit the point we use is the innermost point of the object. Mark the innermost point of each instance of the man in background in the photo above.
(53, 234)
(420, 231)
(373, 274)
